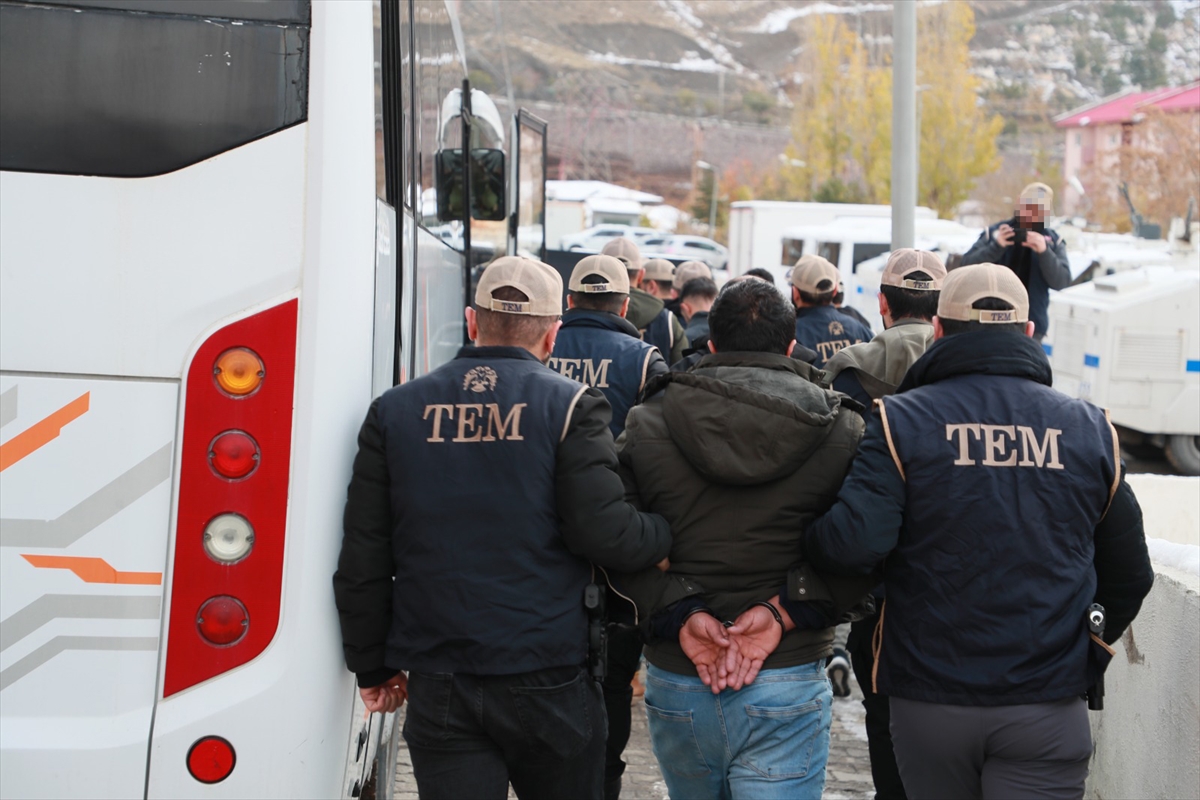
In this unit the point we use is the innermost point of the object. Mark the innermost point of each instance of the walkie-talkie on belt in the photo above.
(1095, 620)
(593, 601)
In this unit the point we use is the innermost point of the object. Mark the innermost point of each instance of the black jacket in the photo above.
(1039, 272)
(969, 613)
(594, 521)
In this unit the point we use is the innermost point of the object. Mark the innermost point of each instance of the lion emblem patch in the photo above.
(835, 328)
(480, 379)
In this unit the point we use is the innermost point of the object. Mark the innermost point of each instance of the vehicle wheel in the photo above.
(575, 247)
(1184, 453)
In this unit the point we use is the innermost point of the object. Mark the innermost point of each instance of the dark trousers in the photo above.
(472, 735)
(884, 771)
(993, 752)
(624, 656)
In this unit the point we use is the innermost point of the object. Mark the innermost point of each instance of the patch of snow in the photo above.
(684, 12)
(778, 21)
(689, 63)
(1184, 557)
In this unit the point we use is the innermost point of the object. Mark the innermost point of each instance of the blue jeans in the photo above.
(769, 740)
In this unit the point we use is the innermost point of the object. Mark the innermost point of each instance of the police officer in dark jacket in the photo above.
(1039, 259)
(597, 345)
(999, 506)
(479, 494)
(820, 326)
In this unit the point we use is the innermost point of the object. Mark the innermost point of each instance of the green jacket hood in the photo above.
(643, 308)
(748, 418)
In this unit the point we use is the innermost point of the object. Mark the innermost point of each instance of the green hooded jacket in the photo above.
(739, 455)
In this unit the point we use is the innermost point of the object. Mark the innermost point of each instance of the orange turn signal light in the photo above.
(239, 372)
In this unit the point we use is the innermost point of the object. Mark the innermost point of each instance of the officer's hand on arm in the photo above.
(595, 521)
(863, 525)
(386, 697)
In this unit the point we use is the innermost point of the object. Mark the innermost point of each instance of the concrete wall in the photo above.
(1147, 738)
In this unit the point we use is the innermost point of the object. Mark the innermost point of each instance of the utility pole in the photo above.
(904, 122)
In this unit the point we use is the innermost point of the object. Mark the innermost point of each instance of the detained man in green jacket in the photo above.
(655, 324)
(738, 454)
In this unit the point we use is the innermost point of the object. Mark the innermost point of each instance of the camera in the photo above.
(1019, 235)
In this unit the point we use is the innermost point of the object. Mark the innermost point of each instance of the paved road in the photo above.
(848, 776)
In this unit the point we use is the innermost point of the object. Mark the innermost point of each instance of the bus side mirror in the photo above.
(487, 184)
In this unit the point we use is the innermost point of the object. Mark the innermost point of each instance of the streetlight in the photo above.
(712, 205)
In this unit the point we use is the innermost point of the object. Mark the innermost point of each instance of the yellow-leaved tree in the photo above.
(958, 136)
(842, 126)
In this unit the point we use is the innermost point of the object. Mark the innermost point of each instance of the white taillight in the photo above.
(228, 538)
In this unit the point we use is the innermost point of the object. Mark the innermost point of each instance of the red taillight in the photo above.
(222, 621)
(233, 455)
(233, 493)
(211, 759)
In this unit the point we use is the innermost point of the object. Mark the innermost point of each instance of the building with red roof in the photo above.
(1096, 133)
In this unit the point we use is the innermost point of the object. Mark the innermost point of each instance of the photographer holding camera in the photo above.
(1026, 246)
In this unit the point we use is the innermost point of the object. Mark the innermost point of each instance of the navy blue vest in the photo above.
(660, 334)
(592, 348)
(826, 330)
(484, 583)
(1006, 480)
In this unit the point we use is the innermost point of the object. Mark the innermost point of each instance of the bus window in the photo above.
(830, 251)
(864, 251)
(792, 250)
(194, 88)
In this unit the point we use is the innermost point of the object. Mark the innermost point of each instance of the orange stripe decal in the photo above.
(42, 433)
(94, 570)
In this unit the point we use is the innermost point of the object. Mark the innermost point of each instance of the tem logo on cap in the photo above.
(480, 379)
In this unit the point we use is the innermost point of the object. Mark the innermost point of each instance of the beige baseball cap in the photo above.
(540, 282)
(616, 277)
(690, 270)
(815, 275)
(625, 250)
(965, 285)
(905, 261)
(659, 269)
(1038, 194)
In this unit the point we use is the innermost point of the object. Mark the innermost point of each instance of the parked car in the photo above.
(595, 237)
(687, 248)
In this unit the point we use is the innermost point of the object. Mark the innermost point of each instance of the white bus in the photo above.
(209, 265)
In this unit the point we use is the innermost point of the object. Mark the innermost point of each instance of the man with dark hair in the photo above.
(597, 346)
(819, 326)
(695, 300)
(908, 296)
(480, 493)
(759, 272)
(685, 272)
(999, 506)
(738, 453)
(647, 313)
(1025, 245)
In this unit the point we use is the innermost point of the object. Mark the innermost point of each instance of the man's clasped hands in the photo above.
(730, 657)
